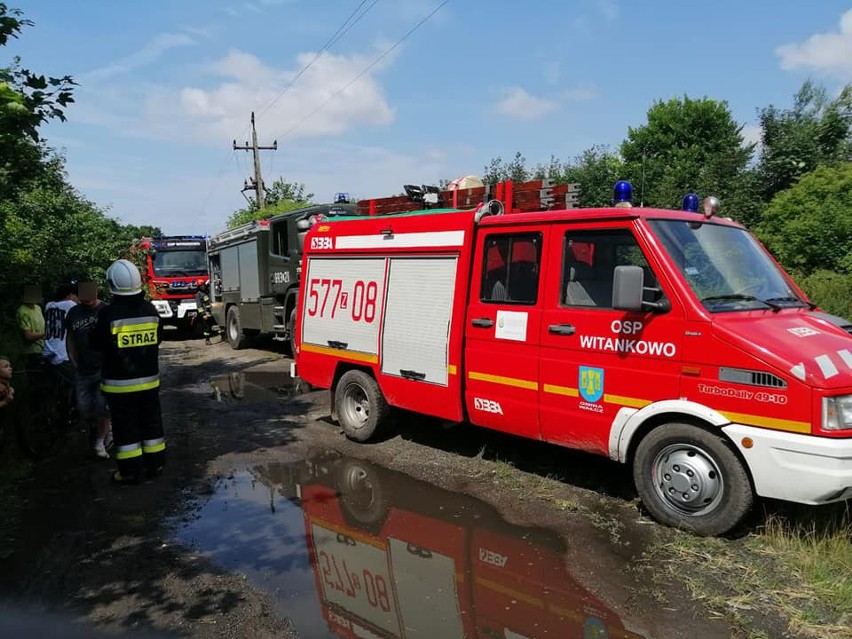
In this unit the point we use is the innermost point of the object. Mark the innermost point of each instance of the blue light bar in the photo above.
(622, 194)
(690, 203)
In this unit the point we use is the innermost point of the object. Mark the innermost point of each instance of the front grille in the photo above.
(751, 378)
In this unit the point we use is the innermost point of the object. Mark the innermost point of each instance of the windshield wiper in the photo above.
(740, 297)
(791, 298)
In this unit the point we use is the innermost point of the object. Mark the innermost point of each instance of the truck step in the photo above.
(279, 327)
(278, 309)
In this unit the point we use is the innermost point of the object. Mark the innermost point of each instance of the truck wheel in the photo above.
(364, 501)
(361, 408)
(236, 336)
(691, 479)
(291, 329)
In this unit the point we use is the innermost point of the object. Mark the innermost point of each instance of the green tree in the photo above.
(687, 146)
(809, 226)
(282, 197)
(497, 170)
(816, 130)
(27, 100)
(596, 170)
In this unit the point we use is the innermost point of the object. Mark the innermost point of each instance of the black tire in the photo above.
(360, 406)
(364, 500)
(291, 330)
(237, 337)
(692, 479)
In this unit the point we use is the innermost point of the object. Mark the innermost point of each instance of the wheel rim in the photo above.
(355, 406)
(687, 479)
(232, 329)
(359, 488)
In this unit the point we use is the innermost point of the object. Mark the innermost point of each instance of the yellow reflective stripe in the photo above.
(561, 390)
(133, 388)
(129, 451)
(505, 381)
(451, 369)
(151, 446)
(768, 422)
(132, 328)
(341, 352)
(632, 402)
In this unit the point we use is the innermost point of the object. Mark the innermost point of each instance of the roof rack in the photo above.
(535, 195)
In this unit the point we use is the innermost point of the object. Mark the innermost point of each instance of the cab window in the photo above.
(280, 245)
(510, 269)
(589, 261)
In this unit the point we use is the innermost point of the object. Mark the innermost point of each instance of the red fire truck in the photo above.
(176, 265)
(669, 340)
(393, 557)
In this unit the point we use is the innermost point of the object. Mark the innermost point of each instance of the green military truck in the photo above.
(255, 270)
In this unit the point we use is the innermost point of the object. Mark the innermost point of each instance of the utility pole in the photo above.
(257, 182)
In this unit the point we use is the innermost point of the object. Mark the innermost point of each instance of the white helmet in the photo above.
(124, 278)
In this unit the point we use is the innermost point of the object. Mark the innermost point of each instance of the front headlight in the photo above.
(837, 412)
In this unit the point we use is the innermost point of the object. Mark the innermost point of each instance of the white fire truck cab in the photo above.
(668, 340)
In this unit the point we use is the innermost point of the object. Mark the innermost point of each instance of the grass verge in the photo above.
(795, 568)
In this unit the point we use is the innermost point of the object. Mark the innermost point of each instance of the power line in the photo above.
(342, 30)
(365, 69)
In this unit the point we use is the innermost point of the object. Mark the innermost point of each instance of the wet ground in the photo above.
(269, 523)
(346, 547)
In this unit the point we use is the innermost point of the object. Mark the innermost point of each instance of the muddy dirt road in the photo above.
(269, 523)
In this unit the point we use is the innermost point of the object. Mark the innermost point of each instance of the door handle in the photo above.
(561, 329)
(483, 322)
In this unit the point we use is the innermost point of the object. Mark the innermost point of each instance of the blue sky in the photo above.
(166, 85)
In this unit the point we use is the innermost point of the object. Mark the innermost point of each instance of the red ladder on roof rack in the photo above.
(535, 195)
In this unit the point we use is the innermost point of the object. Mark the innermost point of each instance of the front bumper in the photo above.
(175, 309)
(794, 467)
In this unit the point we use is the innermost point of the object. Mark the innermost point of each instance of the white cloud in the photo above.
(581, 94)
(517, 103)
(829, 53)
(311, 107)
(150, 53)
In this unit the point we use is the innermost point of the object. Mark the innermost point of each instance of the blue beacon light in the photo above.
(622, 194)
(690, 203)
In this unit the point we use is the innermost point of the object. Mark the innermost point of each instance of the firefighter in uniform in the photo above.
(128, 334)
(205, 311)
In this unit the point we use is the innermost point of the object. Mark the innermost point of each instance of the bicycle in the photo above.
(46, 410)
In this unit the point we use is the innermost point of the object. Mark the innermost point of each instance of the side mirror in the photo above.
(627, 287)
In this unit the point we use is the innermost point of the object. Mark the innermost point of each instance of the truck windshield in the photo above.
(180, 263)
(725, 266)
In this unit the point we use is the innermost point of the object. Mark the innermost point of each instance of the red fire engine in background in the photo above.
(175, 266)
(669, 340)
(393, 557)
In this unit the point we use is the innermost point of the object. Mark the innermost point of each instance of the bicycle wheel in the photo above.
(42, 422)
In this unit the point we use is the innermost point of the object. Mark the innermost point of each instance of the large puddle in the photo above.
(255, 386)
(348, 549)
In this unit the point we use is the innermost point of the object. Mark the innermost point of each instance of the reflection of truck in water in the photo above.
(174, 266)
(395, 557)
(255, 270)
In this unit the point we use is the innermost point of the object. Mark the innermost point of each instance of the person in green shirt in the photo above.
(30, 322)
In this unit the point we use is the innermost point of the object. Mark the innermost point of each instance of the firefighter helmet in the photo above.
(124, 278)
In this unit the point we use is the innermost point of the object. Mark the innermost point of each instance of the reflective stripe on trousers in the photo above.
(130, 385)
(150, 446)
(129, 451)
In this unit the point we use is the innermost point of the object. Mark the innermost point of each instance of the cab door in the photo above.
(502, 331)
(596, 360)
